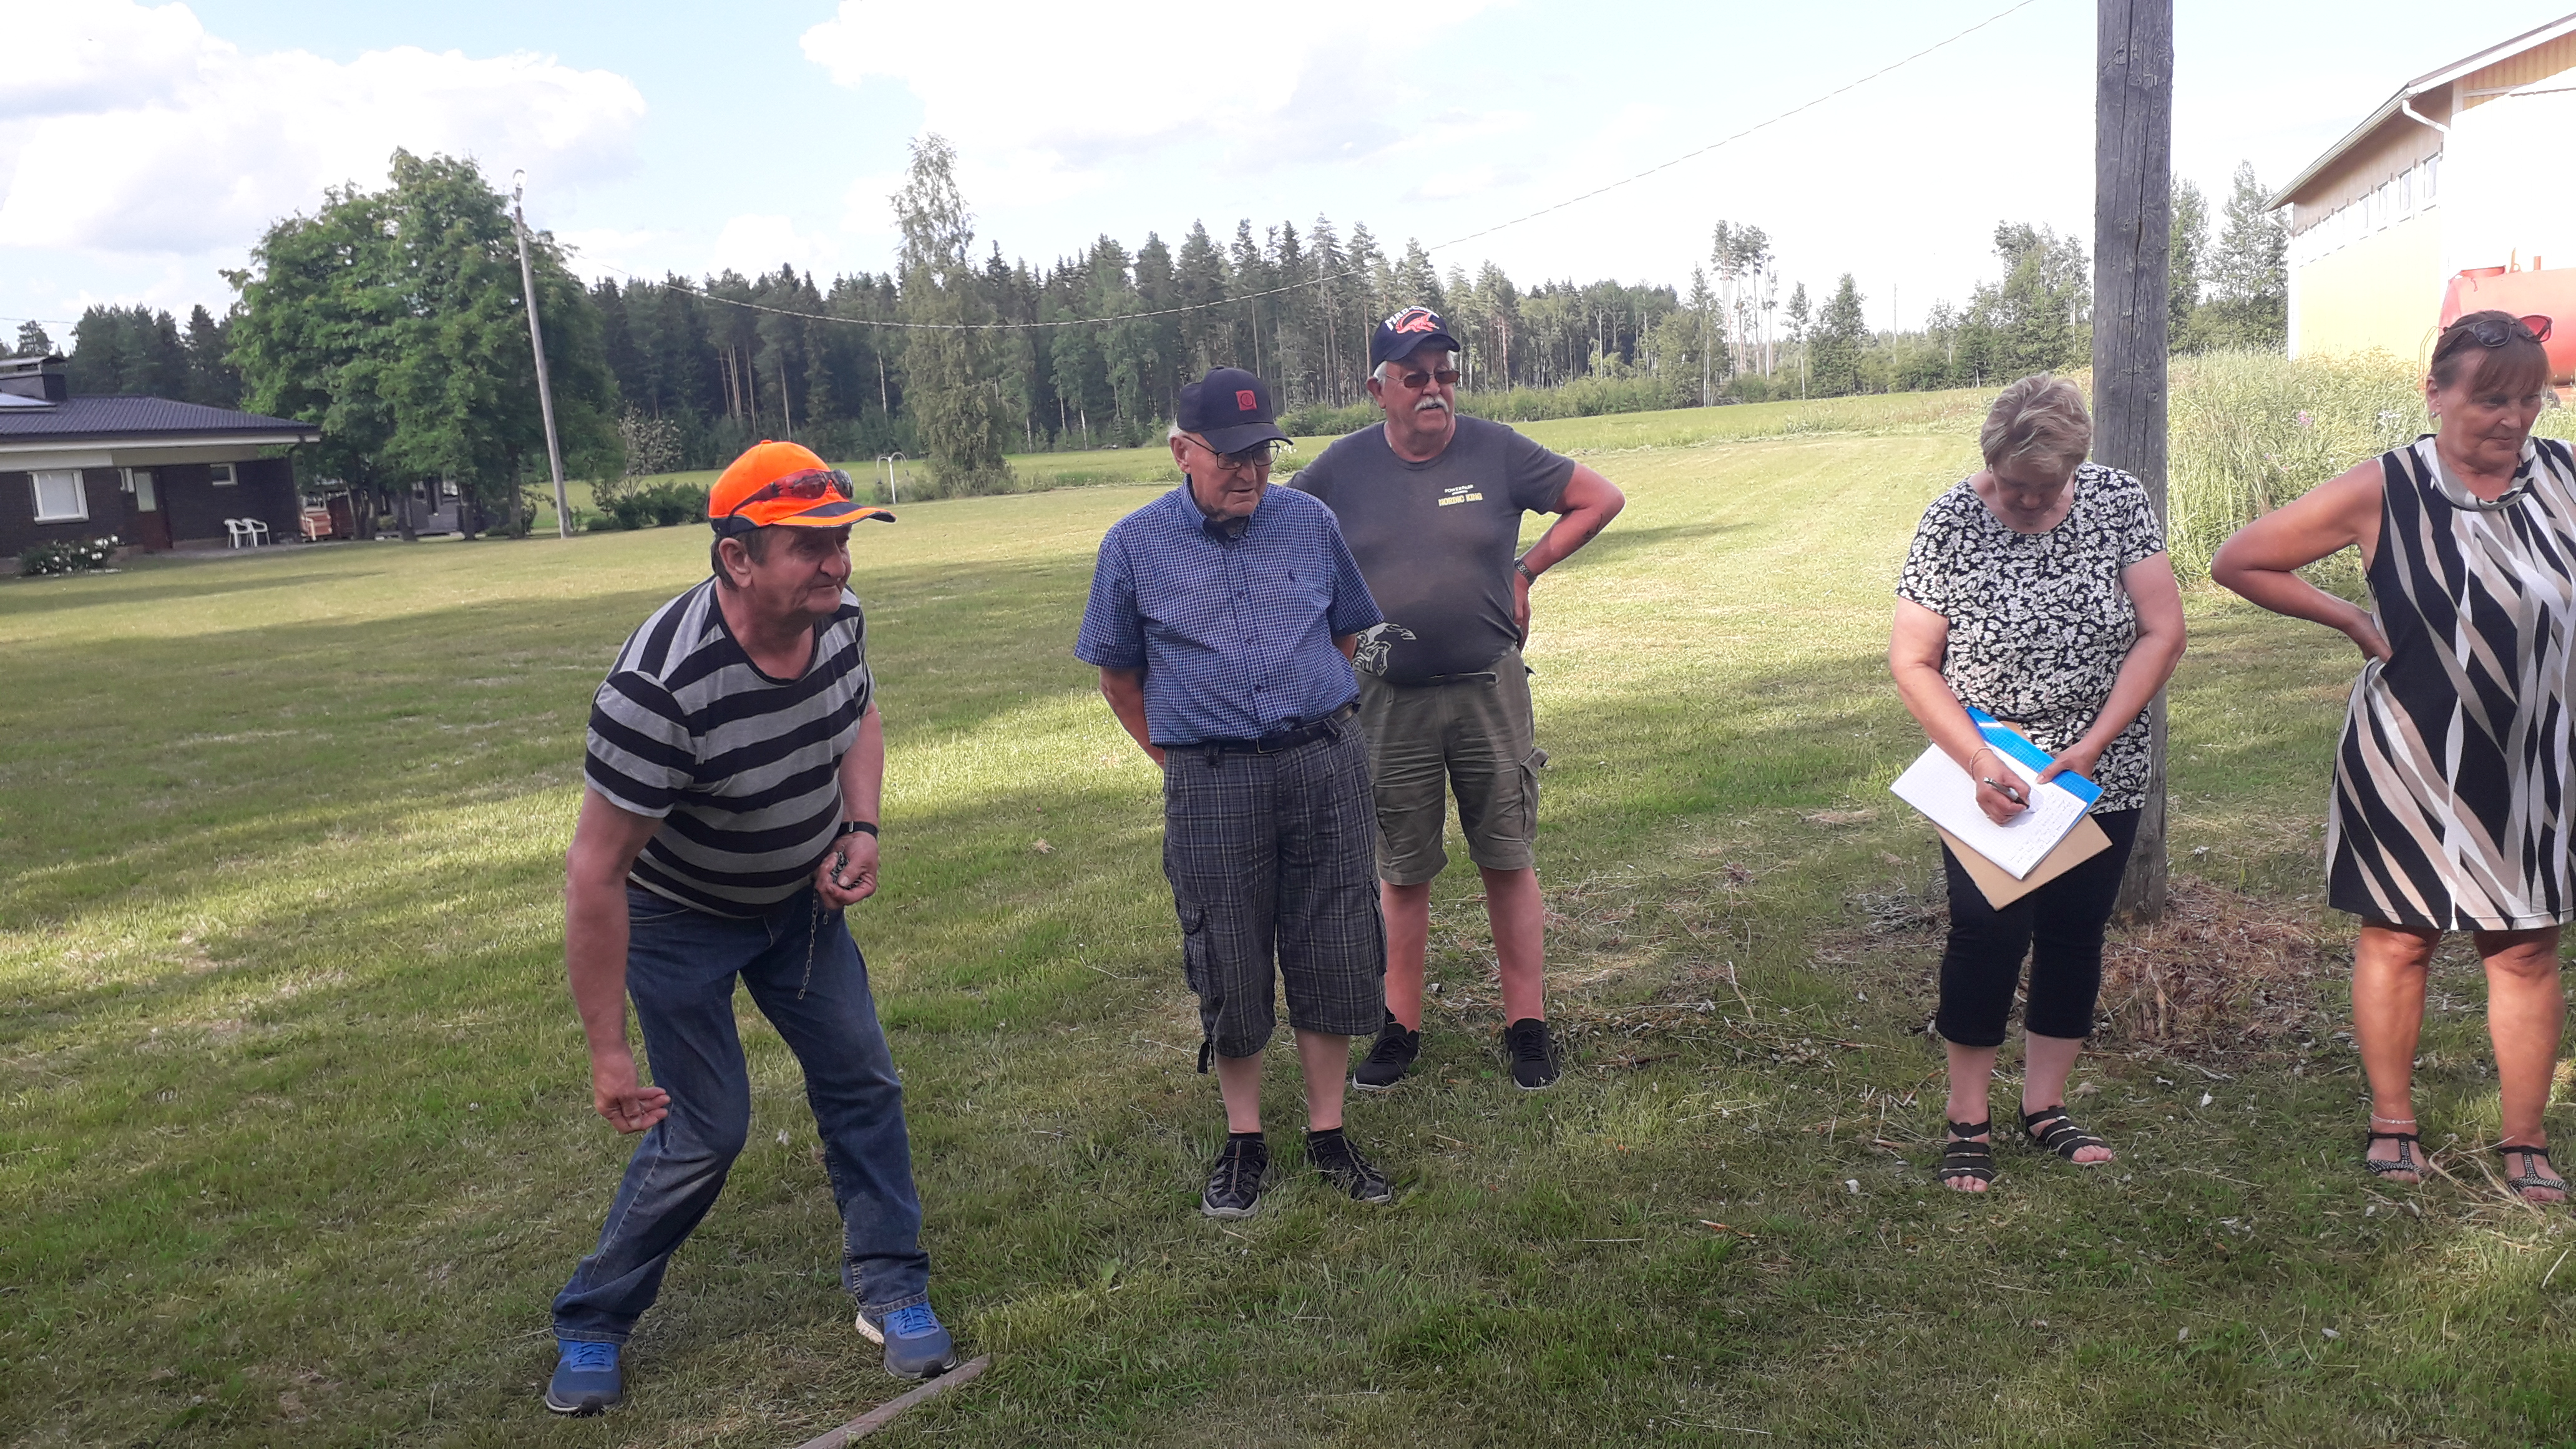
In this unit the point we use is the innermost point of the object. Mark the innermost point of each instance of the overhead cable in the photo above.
(1895, 65)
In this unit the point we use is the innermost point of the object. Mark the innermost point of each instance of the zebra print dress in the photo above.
(2451, 801)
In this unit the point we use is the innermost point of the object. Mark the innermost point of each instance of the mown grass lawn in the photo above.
(297, 1141)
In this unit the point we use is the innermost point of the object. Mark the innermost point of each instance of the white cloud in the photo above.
(1050, 82)
(202, 146)
(755, 243)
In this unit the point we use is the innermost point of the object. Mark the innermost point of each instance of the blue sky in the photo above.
(143, 147)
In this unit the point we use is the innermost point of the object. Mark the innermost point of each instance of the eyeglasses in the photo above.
(2491, 333)
(1255, 459)
(811, 484)
(1445, 376)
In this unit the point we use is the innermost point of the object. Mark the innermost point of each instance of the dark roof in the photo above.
(140, 418)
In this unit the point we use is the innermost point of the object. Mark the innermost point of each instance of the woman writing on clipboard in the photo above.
(2038, 591)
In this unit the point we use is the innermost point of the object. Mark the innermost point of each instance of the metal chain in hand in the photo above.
(814, 924)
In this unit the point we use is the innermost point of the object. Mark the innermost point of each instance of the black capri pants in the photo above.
(2058, 927)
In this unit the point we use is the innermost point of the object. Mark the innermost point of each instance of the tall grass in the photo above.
(2252, 431)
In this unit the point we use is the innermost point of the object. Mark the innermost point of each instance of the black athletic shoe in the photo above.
(1387, 1061)
(1343, 1167)
(1234, 1188)
(1533, 1057)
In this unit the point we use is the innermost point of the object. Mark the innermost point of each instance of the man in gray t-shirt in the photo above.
(1431, 505)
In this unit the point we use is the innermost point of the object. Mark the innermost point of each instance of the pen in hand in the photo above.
(2008, 791)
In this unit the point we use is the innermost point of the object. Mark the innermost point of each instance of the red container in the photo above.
(2550, 294)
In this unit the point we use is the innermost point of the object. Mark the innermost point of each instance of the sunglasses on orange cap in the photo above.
(812, 486)
(809, 485)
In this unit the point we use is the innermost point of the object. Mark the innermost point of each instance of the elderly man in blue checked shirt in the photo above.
(1223, 616)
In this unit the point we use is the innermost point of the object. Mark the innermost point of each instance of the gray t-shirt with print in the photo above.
(1436, 540)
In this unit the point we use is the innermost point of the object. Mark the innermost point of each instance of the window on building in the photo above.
(2432, 186)
(60, 498)
(223, 475)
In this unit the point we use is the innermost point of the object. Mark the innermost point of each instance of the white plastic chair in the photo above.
(235, 533)
(258, 532)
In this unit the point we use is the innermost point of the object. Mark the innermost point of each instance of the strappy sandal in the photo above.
(1965, 1158)
(2404, 1161)
(2521, 1186)
(2051, 1129)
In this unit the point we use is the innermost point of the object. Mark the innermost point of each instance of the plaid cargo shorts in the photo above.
(1270, 855)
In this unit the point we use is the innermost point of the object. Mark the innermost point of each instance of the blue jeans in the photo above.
(680, 969)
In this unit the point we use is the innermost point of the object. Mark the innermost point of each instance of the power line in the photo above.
(1762, 125)
(1342, 275)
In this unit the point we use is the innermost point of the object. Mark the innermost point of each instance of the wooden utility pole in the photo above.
(537, 342)
(2132, 236)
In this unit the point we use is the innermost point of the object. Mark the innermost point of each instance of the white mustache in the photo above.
(1427, 404)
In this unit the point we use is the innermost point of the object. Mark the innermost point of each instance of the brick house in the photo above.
(156, 473)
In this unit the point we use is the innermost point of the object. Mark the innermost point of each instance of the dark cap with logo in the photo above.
(1231, 409)
(1399, 336)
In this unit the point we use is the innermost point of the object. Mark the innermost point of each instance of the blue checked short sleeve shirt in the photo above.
(1234, 632)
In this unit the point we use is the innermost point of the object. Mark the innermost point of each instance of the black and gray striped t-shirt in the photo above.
(743, 770)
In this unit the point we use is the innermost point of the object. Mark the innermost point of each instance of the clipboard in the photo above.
(2081, 844)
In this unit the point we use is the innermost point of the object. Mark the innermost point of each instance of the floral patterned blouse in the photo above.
(2039, 624)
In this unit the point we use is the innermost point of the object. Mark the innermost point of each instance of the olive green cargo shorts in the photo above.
(1469, 733)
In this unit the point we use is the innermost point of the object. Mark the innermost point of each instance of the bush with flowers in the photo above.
(67, 556)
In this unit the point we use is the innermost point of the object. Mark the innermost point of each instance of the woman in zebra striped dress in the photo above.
(2451, 809)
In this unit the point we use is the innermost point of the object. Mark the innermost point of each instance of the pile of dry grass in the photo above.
(2222, 974)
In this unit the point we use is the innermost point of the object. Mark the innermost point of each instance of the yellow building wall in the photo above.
(2383, 291)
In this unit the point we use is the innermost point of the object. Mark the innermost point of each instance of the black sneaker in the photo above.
(1234, 1188)
(1395, 1050)
(1343, 1167)
(1533, 1056)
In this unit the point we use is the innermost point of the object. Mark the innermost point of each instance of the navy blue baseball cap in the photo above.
(1398, 336)
(1231, 409)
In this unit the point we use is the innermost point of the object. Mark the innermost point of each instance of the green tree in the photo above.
(1842, 331)
(32, 341)
(1416, 281)
(2039, 317)
(312, 339)
(128, 351)
(394, 321)
(213, 381)
(2250, 276)
(1801, 315)
(2189, 255)
(949, 372)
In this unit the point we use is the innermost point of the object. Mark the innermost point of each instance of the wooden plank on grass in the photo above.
(884, 1414)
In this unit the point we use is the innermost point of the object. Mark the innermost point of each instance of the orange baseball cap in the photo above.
(785, 485)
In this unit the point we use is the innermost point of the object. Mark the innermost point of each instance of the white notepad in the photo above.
(1935, 785)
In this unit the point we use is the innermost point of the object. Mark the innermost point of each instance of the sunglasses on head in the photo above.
(809, 485)
(2491, 333)
(1414, 379)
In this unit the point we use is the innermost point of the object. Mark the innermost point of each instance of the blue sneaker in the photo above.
(586, 1378)
(916, 1346)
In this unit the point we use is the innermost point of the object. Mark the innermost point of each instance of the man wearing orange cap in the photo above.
(735, 764)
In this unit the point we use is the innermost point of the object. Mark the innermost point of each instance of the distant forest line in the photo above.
(672, 374)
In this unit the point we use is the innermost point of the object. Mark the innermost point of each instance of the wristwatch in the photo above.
(1523, 570)
(855, 827)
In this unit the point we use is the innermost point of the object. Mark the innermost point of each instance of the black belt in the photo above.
(1329, 727)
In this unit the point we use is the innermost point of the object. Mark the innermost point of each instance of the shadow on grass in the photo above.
(42, 596)
(358, 1123)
